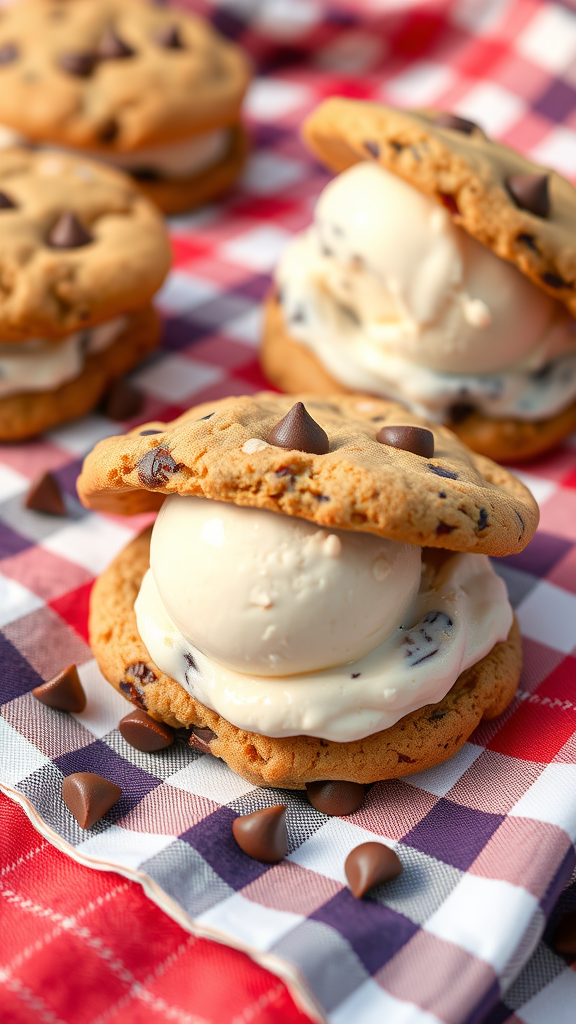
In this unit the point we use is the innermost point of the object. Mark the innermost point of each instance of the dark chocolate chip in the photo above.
(371, 864)
(133, 695)
(443, 528)
(564, 937)
(460, 411)
(449, 202)
(458, 124)
(109, 131)
(68, 233)
(208, 417)
(145, 733)
(155, 467)
(418, 440)
(140, 671)
(373, 148)
(63, 692)
(122, 401)
(112, 47)
(397, 147)
(335, 798)
(440, 471)
(355, 675)
(81, 65)
(482, 520)
(441, 494)
(88, 796)
(169, 37)
(528, 240)
(146, 174)
(145, 433)
(8, 53)
(6, 203)
(201, 738)
(530, 192)
(44, 495)
(297, 431)
(553, 281)
(263, 835)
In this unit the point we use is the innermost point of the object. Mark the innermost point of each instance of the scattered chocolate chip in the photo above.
(8, 53)
(371, 864)
(109, 131)
(155, 467)
(335, 798)
(530, 192)
(169, 37)
(554, 281)
(63, 692)
(68, 233)
(564, 937)
(145, 433)
(437, 715)
(440, 471)
(460, 411)
(297, 431)
(528, 240)
(44, 495)
(201, 738)
(443, 528)
(133, 695)
(145, 733)
(208, 417)
(418, 440)
(397, 146)
(88, 796)
(112, 47)
(441, 494)
(139, 670)
(519, 517)
(6, 203)
(449, 202)
(482, 520)
(263, 835)
(122, 401)
(79, 64)
(458, 124)
(321, 497)
(373, 148)
(355, 675)
(145, 174)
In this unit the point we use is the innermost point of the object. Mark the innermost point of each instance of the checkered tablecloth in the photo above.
(487, 839)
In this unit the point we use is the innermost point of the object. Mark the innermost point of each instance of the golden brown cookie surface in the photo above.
(467, 173)
(118, 259)
(424, 738)
(454, 499)
(115, 75)
(293, 368)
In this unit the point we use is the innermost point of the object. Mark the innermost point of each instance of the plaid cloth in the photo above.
(487, 839)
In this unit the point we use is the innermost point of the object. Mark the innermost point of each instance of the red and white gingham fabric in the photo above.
(511, 65)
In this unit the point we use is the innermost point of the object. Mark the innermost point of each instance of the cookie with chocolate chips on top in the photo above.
(314, 600)
(440, 269)
(156, 92)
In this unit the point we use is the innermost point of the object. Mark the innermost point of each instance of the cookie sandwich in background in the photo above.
(154, 91)
(82, 253)
(439, 270)
(314, 600)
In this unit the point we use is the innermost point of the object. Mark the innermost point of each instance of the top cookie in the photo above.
(79, 244)
(451, 499)
(115, 75)
(470, 175)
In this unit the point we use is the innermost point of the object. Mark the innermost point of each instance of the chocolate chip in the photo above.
(122, 401)
(440, 471)
(564, 938)
(418, 440)
(133, 695)
(145, 433)
(297, 431)
(441, 494)
(44, 495)
(263, 835)
(397, 147)
(371, 864)
(8, 53)
(155, 467)
(553, 281)
(68, 233)
(372, 147)
(6, 203)
(145, 174)
(145, 733)
(482, 520)
(201, 738)
(530, 192)
(335, 798)
(443, 528)
(449, 202)
(208, 417)
(528, 240)
(112, 47)
(139, 670)
(109, 131)
(169, 37)
(457, 124)
(88, 796)
(460, 411)
(63, 692)
(81, 65)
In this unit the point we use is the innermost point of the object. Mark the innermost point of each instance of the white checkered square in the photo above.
(267, 173)
(370, 1004)
(554, 1004)
(212, 779)
(104, 705)
(174, 379)
(183, 292)
(258, 249)
(260, 927)
(16, 601)
(11, 483)
(551, 798)
(125, 848)
(80, 436)
(269, 99)
(18, 757)
(328, 847)
(548, 614)
(557, 149)
(439, 780)
(549, 39)
(92, 542)
(495, 109)
(420, 84)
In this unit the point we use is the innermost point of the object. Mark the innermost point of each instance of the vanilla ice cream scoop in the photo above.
(274, 595)
(419, 285)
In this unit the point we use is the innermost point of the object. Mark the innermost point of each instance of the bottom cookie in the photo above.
(179, 195)
(419, 740)
(27, 414)
(292, 367)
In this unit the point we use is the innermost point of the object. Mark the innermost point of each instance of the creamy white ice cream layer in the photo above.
(394, 298)
(286, 628)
